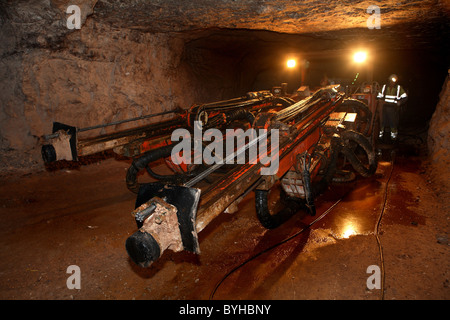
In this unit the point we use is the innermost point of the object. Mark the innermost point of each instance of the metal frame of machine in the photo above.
(317, 137)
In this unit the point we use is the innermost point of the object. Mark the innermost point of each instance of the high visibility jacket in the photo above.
(392, 95)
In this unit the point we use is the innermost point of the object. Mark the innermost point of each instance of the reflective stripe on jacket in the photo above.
(392, 95)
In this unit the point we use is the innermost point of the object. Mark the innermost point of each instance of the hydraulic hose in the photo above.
(363, 111)
(142, 163)
(305, 160)
(364, 170)
(343, 176)
(271, 221)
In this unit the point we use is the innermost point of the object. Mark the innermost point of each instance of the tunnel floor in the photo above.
(54, 219)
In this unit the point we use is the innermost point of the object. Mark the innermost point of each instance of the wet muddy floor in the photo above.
(82, 216)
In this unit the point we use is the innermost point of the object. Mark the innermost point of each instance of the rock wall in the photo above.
(439, 138)
(138, 57)
(96, 75)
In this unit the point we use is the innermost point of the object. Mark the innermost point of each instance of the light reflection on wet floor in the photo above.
(359, 209)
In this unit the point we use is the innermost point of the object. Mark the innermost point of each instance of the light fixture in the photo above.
(291, 63)
(360, 56)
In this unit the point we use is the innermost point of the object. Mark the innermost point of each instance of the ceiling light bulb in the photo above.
(291, 63)
(360, 56)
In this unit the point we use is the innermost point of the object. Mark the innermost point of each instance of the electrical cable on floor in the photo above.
(274, 246)
(376, 232)
(377, 226)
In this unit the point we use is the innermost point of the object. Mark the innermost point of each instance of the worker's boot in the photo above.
(394, 135)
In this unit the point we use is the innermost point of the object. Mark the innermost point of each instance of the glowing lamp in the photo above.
(291, 63)
(360, 56)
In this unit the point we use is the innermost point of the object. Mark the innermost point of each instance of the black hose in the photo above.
(377, 226)
(363, 111)
(271, 221)
(167, 178)
(211, 296)
(305, 160)
(142, 163)
(364, 170)
(328, 175)
(342, 176)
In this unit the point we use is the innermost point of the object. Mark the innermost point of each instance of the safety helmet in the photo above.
(393, 78)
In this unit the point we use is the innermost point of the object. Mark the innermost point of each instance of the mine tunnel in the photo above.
(91, 91)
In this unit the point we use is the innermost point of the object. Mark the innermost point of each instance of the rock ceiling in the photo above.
(403, 24)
